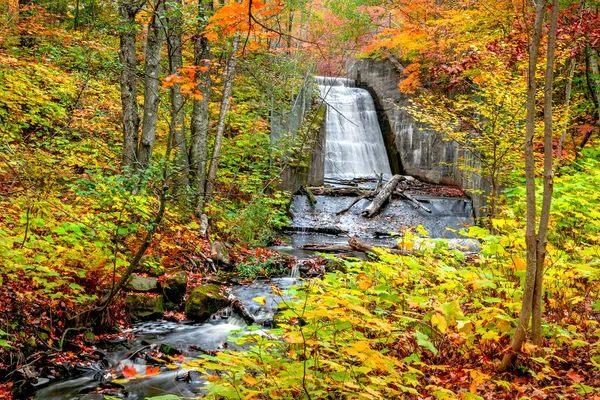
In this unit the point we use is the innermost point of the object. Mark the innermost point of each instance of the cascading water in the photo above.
(354, 145)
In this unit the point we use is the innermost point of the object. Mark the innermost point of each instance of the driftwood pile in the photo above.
(380, 195)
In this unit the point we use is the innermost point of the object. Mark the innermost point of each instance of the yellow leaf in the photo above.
(439, 322)
(519, 264)
(361, 346)
(363, 281)
(260, 300)
(249, 379)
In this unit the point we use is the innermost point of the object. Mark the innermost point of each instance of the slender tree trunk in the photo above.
(530, 237)
(229, 75)
(593, 83)
(536, 319)
(568, 89)
(199, 138)
(174, 43)
(128, 10)
(151, 95)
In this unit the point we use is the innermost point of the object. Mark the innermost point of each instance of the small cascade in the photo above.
(354, 145)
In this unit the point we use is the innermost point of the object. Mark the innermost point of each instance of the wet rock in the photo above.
(143, 307)
(175, 286)
(169, 350)
(141, 283)
(205, 301)
(219, 253)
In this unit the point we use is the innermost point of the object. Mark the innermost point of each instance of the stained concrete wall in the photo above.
(420, 151)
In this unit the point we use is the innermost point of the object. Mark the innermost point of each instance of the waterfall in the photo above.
(354, 144)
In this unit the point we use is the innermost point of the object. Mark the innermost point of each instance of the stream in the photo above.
(354, 149)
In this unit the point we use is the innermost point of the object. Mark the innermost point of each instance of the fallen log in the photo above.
(356, 200)
(327, 248)
(364, 247)
(239, 308)
(408, 197)
(383, 196)
(338, 191)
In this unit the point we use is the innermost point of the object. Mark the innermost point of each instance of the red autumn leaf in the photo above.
(584, 129)
(150, 370)
(129, 371)
(575, 377)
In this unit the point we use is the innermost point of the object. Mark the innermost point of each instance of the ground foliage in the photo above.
(71, 219)
(431, 324)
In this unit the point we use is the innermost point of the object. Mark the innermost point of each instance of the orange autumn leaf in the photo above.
(152, 370)
(575, 377)
(129, 371)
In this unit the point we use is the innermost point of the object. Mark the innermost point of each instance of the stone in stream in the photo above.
(204, 301)
(141, 283)
(174, 287)
(219, 253)
(144, 307)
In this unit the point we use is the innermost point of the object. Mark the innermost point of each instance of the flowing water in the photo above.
(354, 144)
(354, 149)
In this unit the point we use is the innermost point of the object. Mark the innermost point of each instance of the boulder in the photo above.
(205, 301)
(219, 253)
(175, 286)
(144, 307)
(141, 283)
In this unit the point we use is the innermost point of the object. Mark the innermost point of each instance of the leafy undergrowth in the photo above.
(436, 323)
(429, 324)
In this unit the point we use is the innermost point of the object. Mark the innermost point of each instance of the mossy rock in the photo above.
(143, 307)
(204, 301)
(175, 286)
(151, 264)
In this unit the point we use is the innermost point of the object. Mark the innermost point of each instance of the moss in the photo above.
(205, 301)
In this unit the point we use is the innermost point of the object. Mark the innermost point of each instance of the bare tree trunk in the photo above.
(229, 75)
(174, 43)
(536, 319)
(530, 237)
(128, 9)
(151, 95)
(199, 139)
(591, 62)
(568, 88)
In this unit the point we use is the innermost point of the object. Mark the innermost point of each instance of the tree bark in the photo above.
(383, 195)
(199, 138)
(151, 96)
(174, 44)
(128, 9)
(591, 62)
(229, 76)
(568, 88)
(530, 236)
(536, 321)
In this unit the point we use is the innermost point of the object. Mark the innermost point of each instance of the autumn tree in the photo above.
(532, 302)
(128, 10)
(156, 34)
(198, 152)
